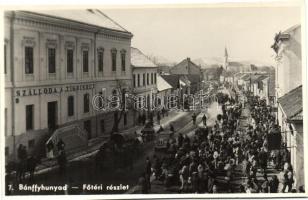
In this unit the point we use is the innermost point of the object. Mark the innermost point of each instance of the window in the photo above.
(70, 106)
(100, 61)
(138, 80)
(29, 60)
(5, 121)
(51, 60)
(102, 126)
(29, 117)
(7, 151)
(70, 60)
(114, 60)
(123, 55)
(85, 59)
(143, 79)
(86, 103)
(134, 80)
(148, 79)
(155, 76)
(151, 78)
(31, 143)
(5, 61)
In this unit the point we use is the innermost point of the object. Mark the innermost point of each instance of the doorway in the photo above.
(87, 127)
(52, 114)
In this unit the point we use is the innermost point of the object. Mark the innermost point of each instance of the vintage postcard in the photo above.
(168, 100)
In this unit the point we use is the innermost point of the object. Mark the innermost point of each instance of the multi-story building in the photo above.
(144, 79)
(289, 95)
(55, 62)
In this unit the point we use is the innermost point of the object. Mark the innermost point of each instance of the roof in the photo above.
(90, 16)
(138, 59)
(246, 77)
(187, 67)
(172, 79)
(162, 84)
(292, 28)
(292, 103)
(235, 64)
(260, 78)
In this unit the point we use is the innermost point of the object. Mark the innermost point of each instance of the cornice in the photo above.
(43, 21)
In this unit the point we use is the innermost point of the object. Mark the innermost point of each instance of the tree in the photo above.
(119, 94)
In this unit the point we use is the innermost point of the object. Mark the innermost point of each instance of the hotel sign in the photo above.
(51, 90)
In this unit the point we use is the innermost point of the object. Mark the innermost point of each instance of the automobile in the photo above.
(163, 139)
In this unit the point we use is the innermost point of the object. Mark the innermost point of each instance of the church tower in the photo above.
(226, 59)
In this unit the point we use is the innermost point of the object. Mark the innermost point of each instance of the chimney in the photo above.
(188, 59)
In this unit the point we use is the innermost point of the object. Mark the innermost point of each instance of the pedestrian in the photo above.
(143, 184)
(158, 117)
(148, 172)
(62, 162)
(180, 140)
(273, 184)
(204, 120)
(60, 145)
(194, 117)
(171, 128)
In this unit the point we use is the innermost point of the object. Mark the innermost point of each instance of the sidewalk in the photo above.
(51, 164)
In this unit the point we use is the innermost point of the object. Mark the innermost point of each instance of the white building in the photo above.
(55, 61)
(144, 77)
(289, 95)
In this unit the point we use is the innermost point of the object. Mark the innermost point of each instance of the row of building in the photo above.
(282, 89)
(57, 61)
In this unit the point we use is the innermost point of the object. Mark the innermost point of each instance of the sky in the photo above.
(177, 33)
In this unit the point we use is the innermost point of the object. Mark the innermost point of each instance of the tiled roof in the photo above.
(138, 59)
(246, 77)
(292, 103)
(172, 79)
(91, 16)
(162, 84)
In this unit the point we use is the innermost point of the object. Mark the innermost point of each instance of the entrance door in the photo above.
(87, 127)
(52, 114)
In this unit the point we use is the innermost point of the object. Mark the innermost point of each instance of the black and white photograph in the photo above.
(177, 99)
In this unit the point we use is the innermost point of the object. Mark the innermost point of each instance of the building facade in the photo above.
(287, 46)
(55, 64)
(144, 79)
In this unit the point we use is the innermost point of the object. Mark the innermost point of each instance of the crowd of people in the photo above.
(208, 161)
